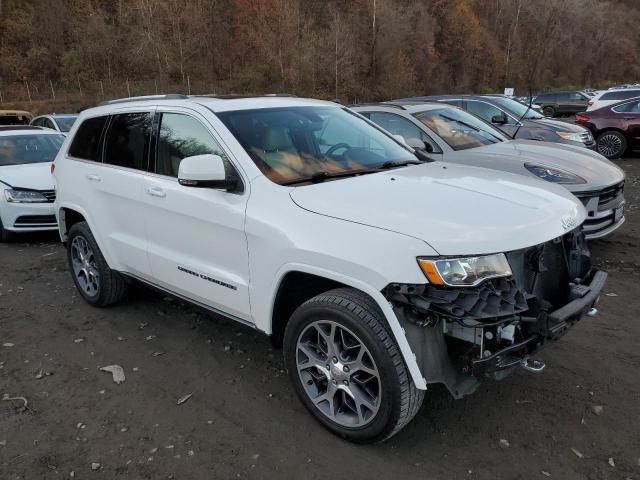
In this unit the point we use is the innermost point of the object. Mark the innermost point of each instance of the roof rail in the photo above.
(169, 96)
(233, 96)
(379, 104)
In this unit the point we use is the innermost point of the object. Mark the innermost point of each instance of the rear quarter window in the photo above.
(86, 142)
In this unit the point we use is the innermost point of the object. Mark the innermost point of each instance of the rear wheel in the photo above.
(346, 368)
(96, 282)
(549, 111)
(612, 144)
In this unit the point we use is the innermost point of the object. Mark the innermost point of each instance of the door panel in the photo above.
(196, 241)
(118, 187)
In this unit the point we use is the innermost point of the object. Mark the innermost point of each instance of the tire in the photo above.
(549, 111)
(97, 283)
(611, 144)
(391, 399)
(5, 235)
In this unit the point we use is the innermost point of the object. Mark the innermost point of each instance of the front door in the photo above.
(196, 241)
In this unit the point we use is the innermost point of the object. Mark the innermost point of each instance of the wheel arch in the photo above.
(311, 281)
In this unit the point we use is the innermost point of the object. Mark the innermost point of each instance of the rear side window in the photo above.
(631, 107)
(620, 95)
(86, 142)
(127, 141)
(546, 97)
(182, 136)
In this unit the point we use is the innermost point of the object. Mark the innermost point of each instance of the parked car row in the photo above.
(386, 247)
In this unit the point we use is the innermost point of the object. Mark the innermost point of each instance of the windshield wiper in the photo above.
(322, 176)
(387, 165)
(468, 125)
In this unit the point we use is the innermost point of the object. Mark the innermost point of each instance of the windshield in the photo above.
(517, 109)
(460, 129)
(296, 143)
(65, 123)
(21, 149)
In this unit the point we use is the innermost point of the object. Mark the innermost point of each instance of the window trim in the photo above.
(155, 139)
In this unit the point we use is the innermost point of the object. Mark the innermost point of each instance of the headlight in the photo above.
(554, 175)
(24, 196)
(464, 272)
(571, 136)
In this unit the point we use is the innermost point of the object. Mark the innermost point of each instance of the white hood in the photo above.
(36, 176)
(456, 210)
(511, 156)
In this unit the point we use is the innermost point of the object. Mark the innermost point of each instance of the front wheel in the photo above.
(5, 235)
(346, 367)
(611, 144)
(549, 112)
(96, 282)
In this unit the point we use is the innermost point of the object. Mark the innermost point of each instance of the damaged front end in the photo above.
(462, 333)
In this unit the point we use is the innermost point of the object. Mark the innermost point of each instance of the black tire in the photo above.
(5, 235)
(611, 144)
(112, 285)
(399, 401)
(549, 111)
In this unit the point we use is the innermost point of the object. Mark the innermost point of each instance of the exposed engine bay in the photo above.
(461, 334)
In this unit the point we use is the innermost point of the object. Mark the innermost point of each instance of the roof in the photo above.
(411, 107)
(213, 102)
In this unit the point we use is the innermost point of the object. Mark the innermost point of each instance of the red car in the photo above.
(616, 127)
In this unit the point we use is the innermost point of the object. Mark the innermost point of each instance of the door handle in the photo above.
(156, 192)
(629, 118)
(93, 177)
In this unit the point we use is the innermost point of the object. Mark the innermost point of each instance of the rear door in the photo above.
(118, 209)
(197, 246)
(563, 100)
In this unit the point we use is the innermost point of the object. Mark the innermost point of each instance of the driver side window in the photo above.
(336, 131)
(486, 111)
(397, 125)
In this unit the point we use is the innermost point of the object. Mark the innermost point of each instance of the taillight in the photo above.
(581, 118)
(590, 103)
(53, 168)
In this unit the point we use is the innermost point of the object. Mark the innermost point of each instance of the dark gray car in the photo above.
(507, 115)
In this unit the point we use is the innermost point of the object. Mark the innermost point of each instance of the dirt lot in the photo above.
(243, 420)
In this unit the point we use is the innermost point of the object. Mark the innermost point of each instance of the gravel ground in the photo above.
(580, 419)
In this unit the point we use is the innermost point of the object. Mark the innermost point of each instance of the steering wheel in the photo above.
(336, 147)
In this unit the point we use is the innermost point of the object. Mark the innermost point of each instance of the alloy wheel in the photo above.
(609, 145)
(83, 261)
(338, 373)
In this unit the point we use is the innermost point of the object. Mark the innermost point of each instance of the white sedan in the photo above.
(27, 190)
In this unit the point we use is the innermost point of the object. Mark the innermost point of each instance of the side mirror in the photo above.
(499, 119)
(205, 171)
(418, 144)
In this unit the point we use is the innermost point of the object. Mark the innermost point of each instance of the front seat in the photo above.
(279, 151)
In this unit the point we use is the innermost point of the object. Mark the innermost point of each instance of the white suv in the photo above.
(378, 272)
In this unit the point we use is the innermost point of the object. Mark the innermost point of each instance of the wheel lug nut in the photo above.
(335, 359)
(334, 382)
(327, 365)
(346, 382)
(345, 369)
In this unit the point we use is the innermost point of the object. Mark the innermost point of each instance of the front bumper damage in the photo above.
(463, 334)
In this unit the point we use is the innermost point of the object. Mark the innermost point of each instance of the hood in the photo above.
(554, 125)
(456, 210)
(36, 176)
(511, 156)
